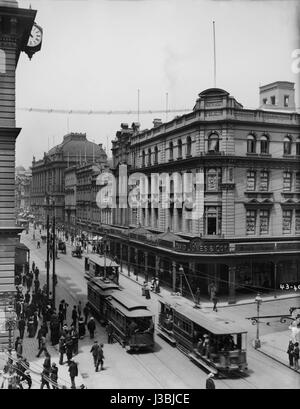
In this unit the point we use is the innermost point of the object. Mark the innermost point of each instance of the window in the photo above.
(143, 158)
(213, 142)
(287, 145)
(287, 181)
(251, 180)
(265, 100)
(264, 144)
(171, 151)
(149, 157)
(297, 182)
(286, 101)
(273, 100)
(298, 147)
(155, 155)
(264, 221)
(297, 221)
(264, 181)
(188, 146)
(286, 221)
(179, 144)
(2, 62)
(251, 144)
(213, 220)
(251, 222)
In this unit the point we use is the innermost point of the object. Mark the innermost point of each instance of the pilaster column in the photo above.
(231, 284)
(173, 276)
(157, 261)
(146, 266)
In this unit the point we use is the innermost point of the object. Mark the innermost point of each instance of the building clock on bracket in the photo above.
(35, 40)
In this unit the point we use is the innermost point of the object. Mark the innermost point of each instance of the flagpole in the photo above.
(215, 63)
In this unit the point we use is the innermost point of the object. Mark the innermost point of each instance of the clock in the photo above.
(35, 39)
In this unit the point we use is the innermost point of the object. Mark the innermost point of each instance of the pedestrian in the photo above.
(69, 348)
(54, 375)
(290, 352)
(36, 285)
(21, 326)
(43, 347)
(47, 361)
(19, 349)
(100, 358)
(86, 312)
(38, 244)
(157, 285)
(36, 273)
(74, 316)
(91, 327)
(79, 309)
(73, 370)
(30, 327)
(27, 378)
(215, 301)
(110, 331)
(45, 378)
(95, 352)
(147, 292)
(17, 342)
(74, 335)
(210, 382)
(27, 297)
(296, 356)
(212, 289)
(81, 328)
(62, 349)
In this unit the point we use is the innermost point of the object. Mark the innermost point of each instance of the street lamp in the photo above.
(181, 272)
(258, 301)
(10, 324)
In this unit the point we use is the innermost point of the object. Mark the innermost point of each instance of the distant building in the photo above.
(48, 174)
(23, 188)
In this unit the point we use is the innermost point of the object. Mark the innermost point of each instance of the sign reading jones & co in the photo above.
(202, 246)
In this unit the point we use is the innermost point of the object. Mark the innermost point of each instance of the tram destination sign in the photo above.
(202, 246)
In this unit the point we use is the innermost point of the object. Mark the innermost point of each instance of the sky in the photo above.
(97, 54)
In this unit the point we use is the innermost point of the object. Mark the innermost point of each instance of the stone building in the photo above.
(240, 168)
(23, 188)
(48, 174)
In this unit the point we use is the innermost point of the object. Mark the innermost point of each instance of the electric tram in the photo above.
(101, 266)
(214, 343)
(131, 321)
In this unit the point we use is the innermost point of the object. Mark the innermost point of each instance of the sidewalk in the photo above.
(275, 346)
(165, 293)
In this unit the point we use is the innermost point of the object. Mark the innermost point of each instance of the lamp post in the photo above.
(258, 301)
(10, 324)
(53, 255)
(181, 272)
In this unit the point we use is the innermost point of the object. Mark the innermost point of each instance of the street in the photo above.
(166, 367)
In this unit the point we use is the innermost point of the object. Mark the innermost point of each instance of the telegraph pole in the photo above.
(105, 238)
(53, 258)
(48, 253)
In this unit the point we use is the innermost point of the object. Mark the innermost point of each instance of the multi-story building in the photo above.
(241, 167)
(23, 187)
(48, 177)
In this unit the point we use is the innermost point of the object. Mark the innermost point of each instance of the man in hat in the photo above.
(91, 327)
(54, 375)
(210, 382)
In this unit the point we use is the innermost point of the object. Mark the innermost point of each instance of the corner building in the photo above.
(247, 239)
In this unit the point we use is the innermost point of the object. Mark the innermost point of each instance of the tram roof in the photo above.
(129, 301)
(100, 261)
(211, 322)
(136, 313)
(98, 281)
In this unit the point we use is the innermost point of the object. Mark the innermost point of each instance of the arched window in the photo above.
(287, 145)
(251, 144)
(143, 158)
(2, 62)
(149, 157)
(264, 144)
(188, 146)
(298, 146)
(171, 151)
(179, 144)
(155, 155)
(213, 142)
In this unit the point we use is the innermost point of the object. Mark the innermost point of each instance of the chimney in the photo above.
(157, 122)
(124, 125)
(135, 126)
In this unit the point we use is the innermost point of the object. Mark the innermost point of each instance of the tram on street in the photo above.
(214, 343)
(130, 320)
(101, 266)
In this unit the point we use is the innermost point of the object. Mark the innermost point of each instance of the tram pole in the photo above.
(53, 258)
(48, 256)
(258, 301)
(105, 255)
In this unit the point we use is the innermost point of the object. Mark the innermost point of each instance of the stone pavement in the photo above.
(275, 346)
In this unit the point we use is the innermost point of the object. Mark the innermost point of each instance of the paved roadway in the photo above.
(166, 367)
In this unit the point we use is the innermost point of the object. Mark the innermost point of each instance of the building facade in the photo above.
(15, 27)
(48, 174)
(23, 188)
(240, 168)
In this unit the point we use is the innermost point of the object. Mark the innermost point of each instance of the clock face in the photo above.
(35, 36)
